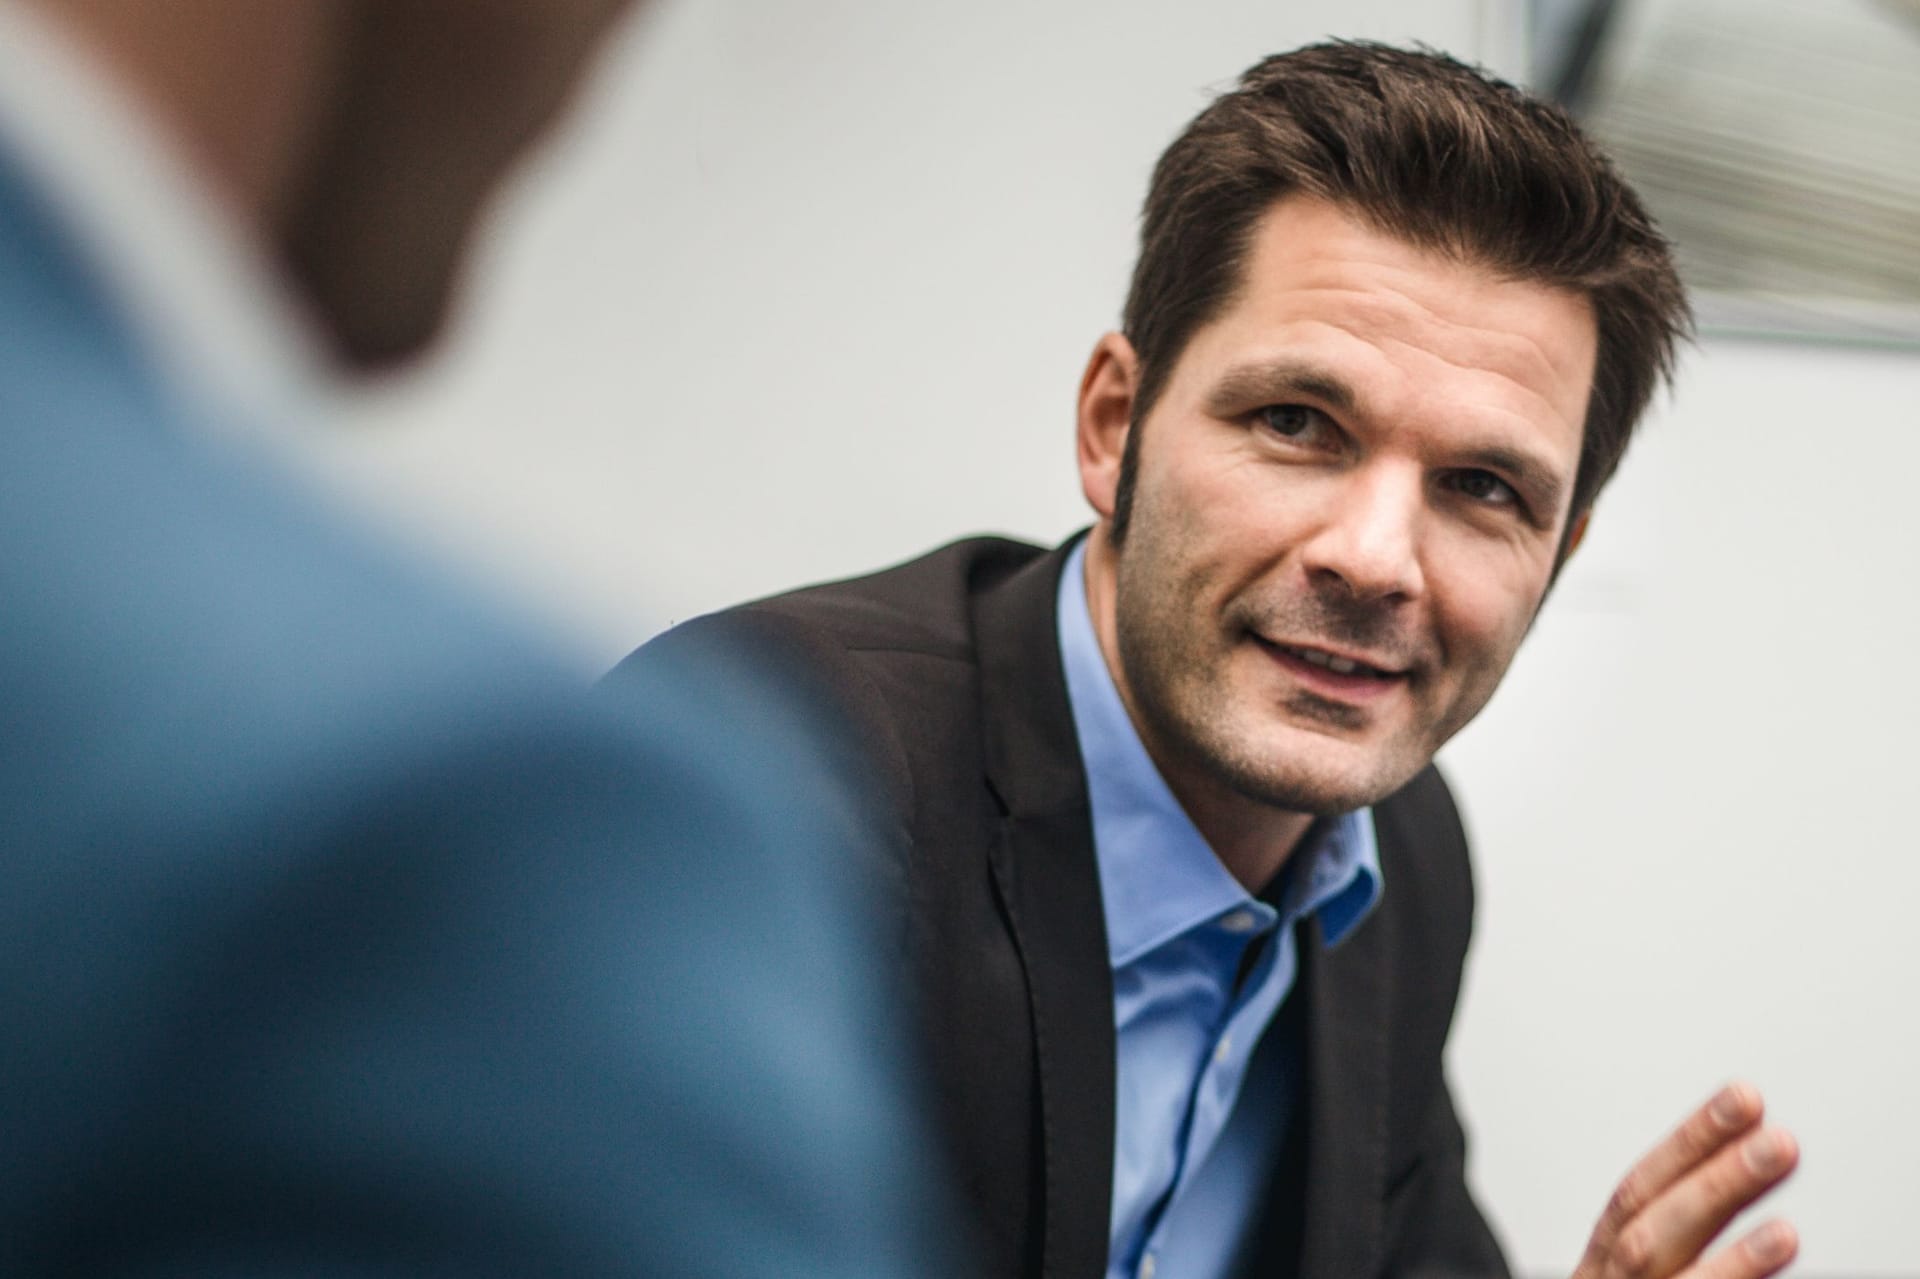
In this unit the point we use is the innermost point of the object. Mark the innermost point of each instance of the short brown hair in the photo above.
(1430, 150)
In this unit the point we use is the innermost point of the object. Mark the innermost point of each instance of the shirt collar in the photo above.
(1158, 876)
(1339, 877)
(229, 341)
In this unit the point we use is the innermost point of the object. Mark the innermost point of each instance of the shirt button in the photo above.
(1146, 1266)
(1239, 921)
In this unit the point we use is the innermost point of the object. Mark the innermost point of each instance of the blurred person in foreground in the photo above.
(1186, 900)
(339, 933)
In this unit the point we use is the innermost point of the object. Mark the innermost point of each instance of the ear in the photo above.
(1576, 532)
(1105, 413)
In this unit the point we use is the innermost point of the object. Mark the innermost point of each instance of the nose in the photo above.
(1367, 544)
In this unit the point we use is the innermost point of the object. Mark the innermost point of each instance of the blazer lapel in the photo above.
(1048, 882)
(1346, 1102)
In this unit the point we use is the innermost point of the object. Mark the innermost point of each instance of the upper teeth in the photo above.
(1338, 665)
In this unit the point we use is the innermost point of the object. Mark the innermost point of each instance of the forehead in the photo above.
(1413, 333)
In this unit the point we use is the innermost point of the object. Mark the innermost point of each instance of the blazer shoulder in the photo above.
(925, 605)
(882, 657)
(1424, 808)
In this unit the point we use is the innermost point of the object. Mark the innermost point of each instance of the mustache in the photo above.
(1339, 620)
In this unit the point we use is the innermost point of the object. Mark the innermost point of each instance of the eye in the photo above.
(1297, 422)
(1485, 488)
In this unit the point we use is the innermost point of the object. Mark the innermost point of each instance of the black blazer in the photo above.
(949, 667)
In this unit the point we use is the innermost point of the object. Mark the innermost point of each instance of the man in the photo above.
(340, 936)
(1188, 902)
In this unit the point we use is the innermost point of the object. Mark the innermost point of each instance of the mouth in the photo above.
(1348, 676)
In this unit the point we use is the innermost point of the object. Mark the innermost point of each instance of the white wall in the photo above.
(1687, 808)
(809, 289)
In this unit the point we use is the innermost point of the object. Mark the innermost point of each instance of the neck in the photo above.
(1253, 840)
(1252, 851)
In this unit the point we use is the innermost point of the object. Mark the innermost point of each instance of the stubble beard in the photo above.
(1177, 664)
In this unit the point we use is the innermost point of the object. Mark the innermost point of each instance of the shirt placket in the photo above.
(1224, 1068)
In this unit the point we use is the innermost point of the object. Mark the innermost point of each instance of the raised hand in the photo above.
(1685, 1190)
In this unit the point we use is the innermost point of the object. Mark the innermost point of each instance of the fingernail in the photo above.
(1765, 1153)
(1772, 1243)
(1728, 1107)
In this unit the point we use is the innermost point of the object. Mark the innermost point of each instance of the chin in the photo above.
(1318, 797)
(380, 300)
(375, 341)
(1344, 779)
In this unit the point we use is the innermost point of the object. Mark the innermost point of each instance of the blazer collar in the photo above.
(1033, 756)
(1345, 1106)
(1045, 872)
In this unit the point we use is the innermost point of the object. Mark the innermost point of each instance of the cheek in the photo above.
(1484, 613)
(1214, 522)
(1174, 529)
(1247, 517)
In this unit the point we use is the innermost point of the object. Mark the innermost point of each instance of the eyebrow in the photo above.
(1261, 383)
(1267, 382)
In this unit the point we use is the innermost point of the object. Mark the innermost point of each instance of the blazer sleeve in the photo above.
(1435, 1229)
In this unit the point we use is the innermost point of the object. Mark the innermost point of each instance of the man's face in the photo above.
(1347, 505)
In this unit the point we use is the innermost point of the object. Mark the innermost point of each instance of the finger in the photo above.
(1762, 1251)
(1672, 1231)
(1733, 1111)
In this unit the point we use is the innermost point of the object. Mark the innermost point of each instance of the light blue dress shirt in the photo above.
(1192, 1144)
